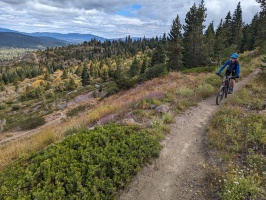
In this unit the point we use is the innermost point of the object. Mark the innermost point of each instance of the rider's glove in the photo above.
(236, 76)
(218, 74)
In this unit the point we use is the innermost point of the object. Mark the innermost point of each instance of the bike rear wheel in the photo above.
(226, 92)
(220, 95)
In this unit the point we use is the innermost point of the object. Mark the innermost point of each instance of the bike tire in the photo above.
(220, 95)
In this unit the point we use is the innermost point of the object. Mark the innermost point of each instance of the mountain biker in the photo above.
(233, 68)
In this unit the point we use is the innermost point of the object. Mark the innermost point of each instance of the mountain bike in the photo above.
(223, 91)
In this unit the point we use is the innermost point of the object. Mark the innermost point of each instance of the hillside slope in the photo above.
(179, 172)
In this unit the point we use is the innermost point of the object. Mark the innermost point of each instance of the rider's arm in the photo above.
(238, 69)
(222, 68)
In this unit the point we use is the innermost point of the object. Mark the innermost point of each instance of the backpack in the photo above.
(234, 67)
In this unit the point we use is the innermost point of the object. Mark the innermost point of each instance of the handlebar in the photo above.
(230, 77)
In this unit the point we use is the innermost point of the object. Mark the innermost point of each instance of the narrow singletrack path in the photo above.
(178, 174)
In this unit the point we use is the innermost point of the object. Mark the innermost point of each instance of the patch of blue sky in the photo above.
(129, 11)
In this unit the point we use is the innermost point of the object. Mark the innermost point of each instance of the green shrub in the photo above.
(76, 110)
(88, 165)
(167, 118)
(184, 92)
(112, 90)
(158, 70)
(241, 187)
(15, 107)
(214, 80)
(32, 122)
(200, 69)
(2, 106)
(205, 90)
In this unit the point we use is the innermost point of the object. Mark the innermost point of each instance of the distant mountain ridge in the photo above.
(69, 37)
(18, 40)
(57, 38)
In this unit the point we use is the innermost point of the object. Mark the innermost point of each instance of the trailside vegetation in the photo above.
(238, 135)
(91, 164)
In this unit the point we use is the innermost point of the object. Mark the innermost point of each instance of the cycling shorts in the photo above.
(228, 73)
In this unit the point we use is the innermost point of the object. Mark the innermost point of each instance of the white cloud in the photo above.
(99, 17)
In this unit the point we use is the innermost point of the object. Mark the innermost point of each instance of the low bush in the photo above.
(200, 69)
(76, 110)
(158, 70)
(15, 107)
(205, 90)
(2, 106)
(32, 123)
(112, 90)
(87, 165)
(238, 134)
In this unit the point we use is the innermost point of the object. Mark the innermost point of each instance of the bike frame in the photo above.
(223, 91)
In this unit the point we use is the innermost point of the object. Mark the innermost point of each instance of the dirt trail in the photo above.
(178, 173)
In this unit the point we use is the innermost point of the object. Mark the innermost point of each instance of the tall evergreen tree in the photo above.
(193, 36)
(134, 68)
(237, 25)
(227, 25)
(209, 41)
(220, 43)
(144, 65)
(175, 61)
(247, 43)
(85, 76)
(261, 37)
(64, 75)
(159, 55)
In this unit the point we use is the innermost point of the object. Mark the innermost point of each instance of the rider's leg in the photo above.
(232, 83)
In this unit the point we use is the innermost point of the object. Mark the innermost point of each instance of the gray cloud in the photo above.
(99, 17)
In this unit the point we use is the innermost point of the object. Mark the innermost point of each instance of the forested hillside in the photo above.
(110, 66)
(39, 83)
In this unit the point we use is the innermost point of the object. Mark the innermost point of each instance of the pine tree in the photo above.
(175, 61)
(247, 43)
(134, 68)
(85, 76)
(47, 75)
(227, 25)
(254, 32)
(220, 43)
(105, 73)
(209, 41)
(261, 36)
(144, 65)
(71, 84)
(79, 70)
(64, 75)
(193, 36)
(159, 55)
(237, 23)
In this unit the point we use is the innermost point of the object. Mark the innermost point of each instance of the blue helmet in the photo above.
(234, 55)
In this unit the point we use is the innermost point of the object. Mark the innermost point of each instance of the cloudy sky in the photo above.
(110, 18)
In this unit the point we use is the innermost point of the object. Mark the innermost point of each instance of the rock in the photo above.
(2, 124)
(152, 106)
(130, 121)
(162, 109)
(61, 106)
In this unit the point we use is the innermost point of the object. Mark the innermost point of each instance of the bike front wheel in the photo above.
(220, 95)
